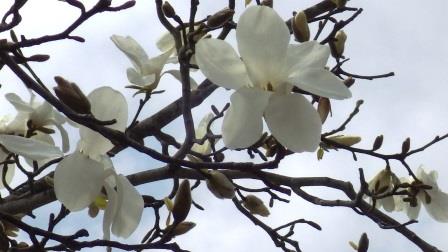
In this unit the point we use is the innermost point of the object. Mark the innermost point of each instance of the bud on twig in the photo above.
(220, 18)
(378, 142)
(255, 205)
(363, 243)
(339, 44)
(349, 82)
(182, 203)
(168, 10)
(268, 3)
(70, 94)
(182, 227)
(345, 140)
(300, 27)
(406, 146)
(220, 185)
(323, 108)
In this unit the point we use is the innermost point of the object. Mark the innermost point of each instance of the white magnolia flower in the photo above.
(147, 71)
(434, 200)
(37, 115)
(201, 130)
(79, 178)
(263, 75)
(381, 184)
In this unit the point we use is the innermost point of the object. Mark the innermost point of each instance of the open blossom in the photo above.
(381, 184)
(79, 177)
(263, 76)
(434, 200)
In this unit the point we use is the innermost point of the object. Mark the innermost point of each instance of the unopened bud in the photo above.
(93, 210)
(255, 205)
(220, 185)
(406, 146)
(268, 3)
(218, 157)
(323, 108)
(320, 153)
(300, 27)
(39, 57)
(168, 203)
(220, 18)
(345, 140)
(182, 203)
(339, 44)
(363, 243)
(339, 3)
(70, 94)
(353, 245)
(168, 10)
(378, 142)
(349, 82)
(183, 227)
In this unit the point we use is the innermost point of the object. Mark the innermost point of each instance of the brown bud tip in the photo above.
(71, 95)
(39, 57)
(349, 81)
(182, 203)
(268, 3)
(406, 146)
(378, 142)
(168, 10)
(363, 243)
(220, 18)
(339, 3)
(300, 27)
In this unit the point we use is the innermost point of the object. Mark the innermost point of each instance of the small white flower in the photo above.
(381, 184)
(263, 76)
(434, 200)
(79, 177)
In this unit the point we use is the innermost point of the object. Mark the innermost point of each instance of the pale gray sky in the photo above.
(404, 36)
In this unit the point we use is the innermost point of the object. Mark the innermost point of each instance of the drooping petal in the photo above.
(156, 64)
(263, 39)
(64, 138)
(412, 212)
(18, 103)
(131, 48)
(319, 81)
(136, 78)
(30, 148)
(388, 203)
(39, 136)
(219, 62)
(294, 122)
(107, 104)
(309, 54)
(438, 207)
(111, 210)
(165, 42)
(243, 121)
(130, 208)
(200, 132)
(77, 181)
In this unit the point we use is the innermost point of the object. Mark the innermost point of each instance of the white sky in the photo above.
(403, 36)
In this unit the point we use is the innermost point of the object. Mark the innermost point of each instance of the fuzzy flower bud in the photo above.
(345, 140)
(300, 27)
(339, 44)
(182, 203)
(220, 18)
(70, 94)
(168, 10)
(255, 205)
(220, 185)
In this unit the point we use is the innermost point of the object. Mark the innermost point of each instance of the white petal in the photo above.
(64, 138)
(107, 104)
(200, 132)
(412, 212)
(219, 62)
(263, 38)
(78, 181)
(131, 48)
(321, 82)
(111, 210)
(18, 103)
(130, 208)
(30, 148)
(156, 64)
(39, 136)
(309, 54)
(9, 173)
(136, 78)
(438, 208)
(294, 122)
(176, 74)
(165, 42)
(388, 203)
(42, 114)
(243, 123)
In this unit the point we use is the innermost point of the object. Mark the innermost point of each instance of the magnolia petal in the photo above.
(130, 208)
(176, 74)
(30, 148)
(136, 78)
(111, 210)
(319, 81)
(18, 103)
(388, 203)
(200, 132)
(39, 136)
(243, 123)
(77, 181)
(131, 48)
(107, 104)
(42, 114)
(263, 39)
(64, 138)
(219, 62)
(9, 173)
(413, 212)
(309, 54)
(165, 42)
(294, 122)
(156, 64)
(438, 208)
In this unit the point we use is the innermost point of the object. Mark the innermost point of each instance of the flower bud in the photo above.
(39, 57)
(168, 203)
(220, 18)
(268, 3)
(349, 82)
(378, 142)
(168, 10)
(320, 153)
(93, 210)
(339, 3)
(381, 182)
(255, 205)
(70, 94)
(363, 243)
(183, 227)
(345, 140)
(406, 146)
(323, 108)
(300, 27)
(220, 185)
(182, 203)
(339, 44)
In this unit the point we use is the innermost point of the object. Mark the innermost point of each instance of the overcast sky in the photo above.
(404, 36)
